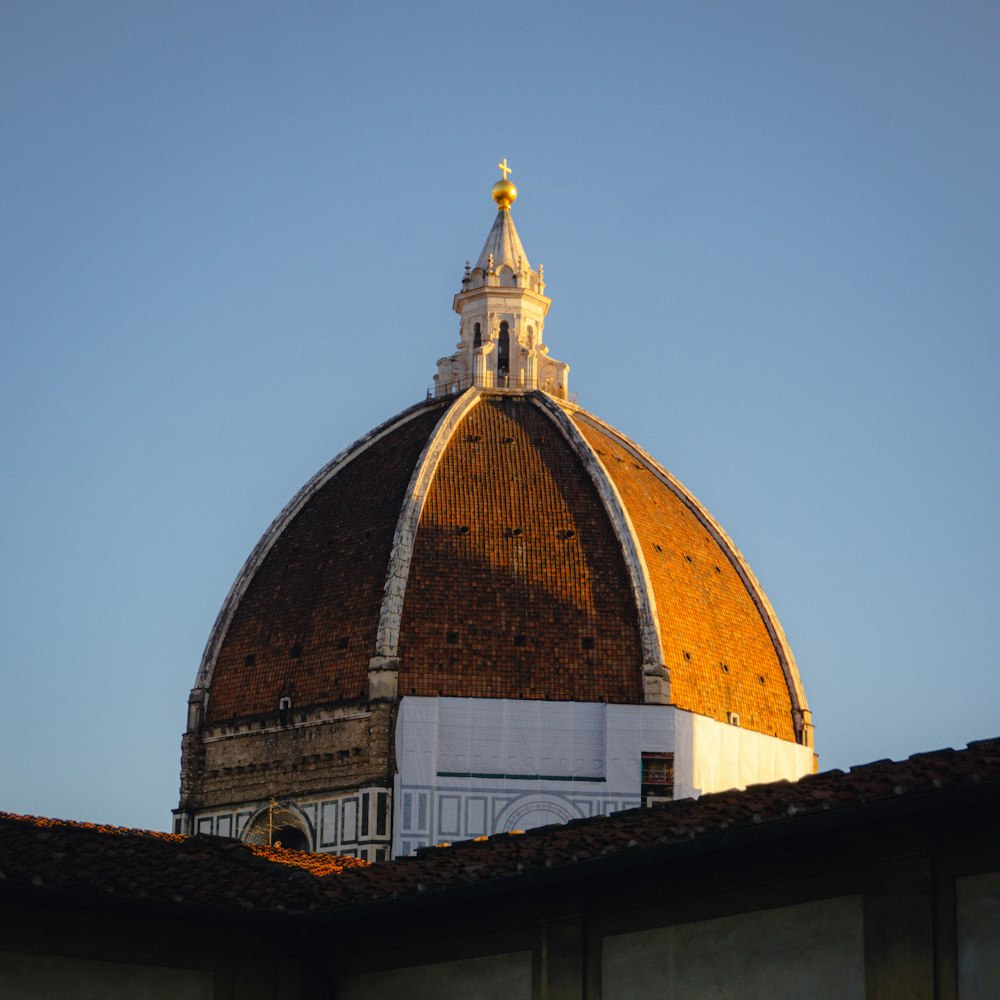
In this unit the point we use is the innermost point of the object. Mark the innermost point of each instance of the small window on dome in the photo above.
(451, 638)
(587, 642)
(296, 651)
(250, 659)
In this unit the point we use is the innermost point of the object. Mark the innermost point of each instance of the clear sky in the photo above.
(231, 232)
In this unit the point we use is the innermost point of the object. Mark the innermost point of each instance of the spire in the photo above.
(503, 243)
(503, 306)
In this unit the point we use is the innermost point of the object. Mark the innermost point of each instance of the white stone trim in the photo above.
(278, 525)
(387, 639)
(800, 707)
(656, 678)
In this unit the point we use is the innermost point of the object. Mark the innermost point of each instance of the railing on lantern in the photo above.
(519, 383)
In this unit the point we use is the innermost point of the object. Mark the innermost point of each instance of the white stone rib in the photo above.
(642, 588)
(278, 525)
(790, 669)
(387, 639)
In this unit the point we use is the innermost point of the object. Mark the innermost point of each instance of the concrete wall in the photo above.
(37, 977)
(491, 977)
(57, 948)
(813, 951)
(978, 926)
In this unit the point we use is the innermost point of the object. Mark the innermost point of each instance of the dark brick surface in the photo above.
(306, 626)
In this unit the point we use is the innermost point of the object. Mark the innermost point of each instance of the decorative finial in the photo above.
(504, 191)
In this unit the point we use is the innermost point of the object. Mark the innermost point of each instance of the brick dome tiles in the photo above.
(305, 626)
(714, 631)
(517, 585)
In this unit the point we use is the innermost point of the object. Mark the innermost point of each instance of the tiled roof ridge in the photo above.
(129, 867)
(47, 822)
(125, 867)
(502, 856)
(316, 864)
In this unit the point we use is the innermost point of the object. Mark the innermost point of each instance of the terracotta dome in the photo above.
(500, 544)
(492, 612)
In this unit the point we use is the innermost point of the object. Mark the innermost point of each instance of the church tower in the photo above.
(493, 611)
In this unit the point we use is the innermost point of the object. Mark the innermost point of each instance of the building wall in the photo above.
(38, 977)
(809, 950)
(236, 768)
(978, 934)
(57, 949)
(895, 910)
(491, 977)
(356, 823)
(469, 767)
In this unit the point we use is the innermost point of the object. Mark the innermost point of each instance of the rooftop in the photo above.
(125, 867)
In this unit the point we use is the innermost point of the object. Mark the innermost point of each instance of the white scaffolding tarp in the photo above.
(472, 766)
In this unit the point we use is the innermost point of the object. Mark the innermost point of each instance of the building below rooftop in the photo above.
(881, 883)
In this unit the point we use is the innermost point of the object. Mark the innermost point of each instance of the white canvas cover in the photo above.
(474, 766)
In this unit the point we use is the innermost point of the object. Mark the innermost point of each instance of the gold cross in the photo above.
(504, 169)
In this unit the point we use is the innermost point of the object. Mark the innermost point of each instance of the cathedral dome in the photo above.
(501, 544)
(491, 612)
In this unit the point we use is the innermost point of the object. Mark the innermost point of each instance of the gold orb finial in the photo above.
(504, 191)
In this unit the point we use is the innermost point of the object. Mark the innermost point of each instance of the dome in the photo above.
(500, 544)
(492, 610)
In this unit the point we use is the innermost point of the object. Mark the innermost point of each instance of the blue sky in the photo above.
(231, 234)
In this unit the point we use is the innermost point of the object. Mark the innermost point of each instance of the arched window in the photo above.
(503, 351)
(477, 336)
(291, 838)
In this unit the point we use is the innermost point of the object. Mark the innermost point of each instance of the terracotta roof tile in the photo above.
(140, 867)
(148, 867)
